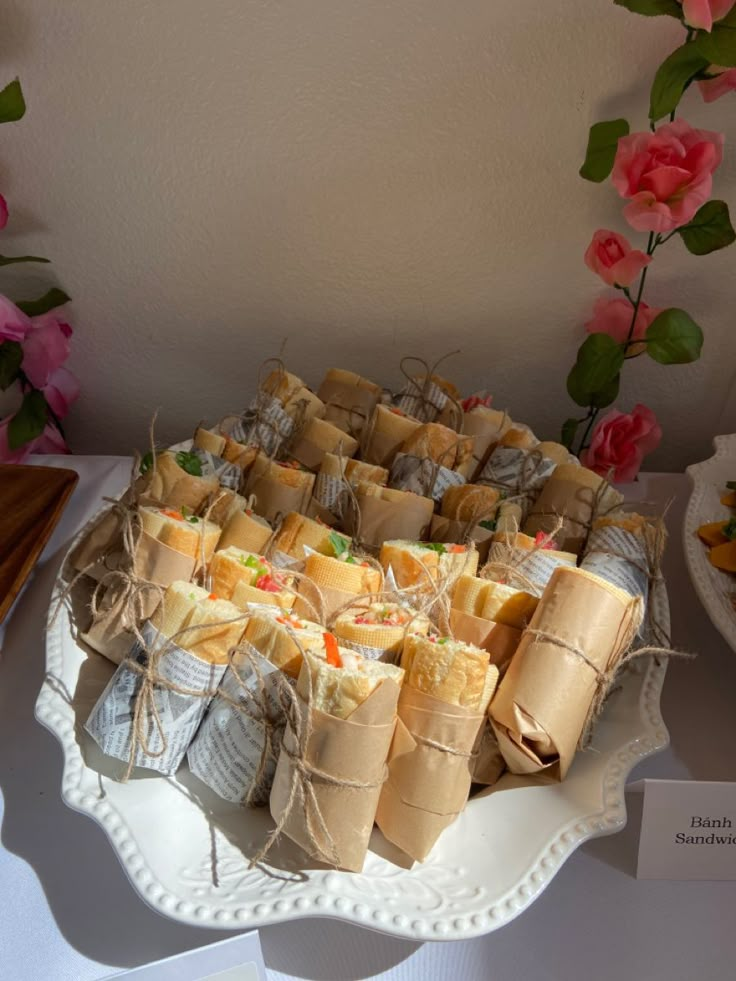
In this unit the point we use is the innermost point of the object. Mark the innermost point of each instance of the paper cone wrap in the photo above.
(318, 438)
(157, 562)
(382, 521)
(448, 530)
(106, 633)
(543, 703)
(426, 787)
(487, 426)
(353, 749)
(349, 405)
(274, 498)
(384, 434)
(489, 763)
(498, 639)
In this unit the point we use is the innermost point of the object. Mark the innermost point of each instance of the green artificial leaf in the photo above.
(29, 421)
(146, 462)
(339, 544)
(11, 260)
(709, 230)
(569, 429)
(11, 357)
(189, 462)
(599, 360)
(731, 485)
(652, 8)
(599, 399)
(719, 46)
(673, 337)
(673, 77)
(601, 152)
(12, 103)
(488, 523)
(49, 301)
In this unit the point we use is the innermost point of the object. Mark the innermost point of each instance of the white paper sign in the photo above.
(235, 959)
(688, 830)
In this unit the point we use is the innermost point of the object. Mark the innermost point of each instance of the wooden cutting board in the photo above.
(32, 500)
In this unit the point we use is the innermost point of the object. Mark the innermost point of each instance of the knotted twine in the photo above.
(421, 392)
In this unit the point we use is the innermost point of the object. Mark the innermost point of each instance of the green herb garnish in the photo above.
(188, 515)
(434, 547)
(338, 544)
(730, 530)
(189, 462)
(146, 462)
(489, 524)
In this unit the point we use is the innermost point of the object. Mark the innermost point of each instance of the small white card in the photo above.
(688, 830)
(235, 959)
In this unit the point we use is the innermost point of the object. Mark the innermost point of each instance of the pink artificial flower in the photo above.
(14, 324)
(3, 212)
(611, 257)
(702, 13)
(61, 390)
(472, 401)
(613, 316)
(45, 348)
(50, 441)
(718, 84)
(667, 175)
(620, 442)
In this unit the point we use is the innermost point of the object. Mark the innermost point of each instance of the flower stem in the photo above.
(592, 413)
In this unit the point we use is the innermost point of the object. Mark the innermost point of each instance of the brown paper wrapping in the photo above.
(498, 639)
(332, 599)
(159, 563)
(274, 498)
(487, 427)
(100, 550)
(382, 521)
(542, 705)
(426, 787)
(318, 512)
(386, 431)
(106, 634)
(318, 438)
(489, 763)
(444, 529)
(348, 749)
(577, 496)
(348, 406)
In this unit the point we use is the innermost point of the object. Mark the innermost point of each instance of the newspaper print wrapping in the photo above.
(328, 491)
(537, 565)
(425, 407)
(265, 424)
(228, 750)
(111, 721)
(422, 476)
(516, 471)
(374, 653)
(620, 557)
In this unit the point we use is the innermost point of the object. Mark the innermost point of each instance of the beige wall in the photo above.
(363, 179)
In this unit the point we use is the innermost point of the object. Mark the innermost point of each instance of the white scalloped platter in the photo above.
(186, 851)
(714, 588)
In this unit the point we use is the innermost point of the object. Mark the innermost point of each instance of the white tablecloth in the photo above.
(68, 912)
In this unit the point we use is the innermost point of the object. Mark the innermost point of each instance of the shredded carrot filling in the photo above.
(177, 515)
(332, 653)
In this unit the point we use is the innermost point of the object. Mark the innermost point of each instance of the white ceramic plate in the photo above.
(186, 851)
(715, 588)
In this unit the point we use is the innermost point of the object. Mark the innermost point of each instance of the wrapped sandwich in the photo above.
(486, 426)
(350, 703)
(247, 530)
(332, 584)
(236, 748)
(491, 616)
(278, 488)
(388, 428)
(561, 669)
(349, 399)
(447, 688)
(318, 437)
(298, 535)
(184, 658)
(385, 513)
(420, 564)
(175, 479)
(518, 559)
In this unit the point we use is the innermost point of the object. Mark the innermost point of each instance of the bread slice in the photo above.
(449, 670)
(247, 530)
(219, 626)
(381, 625)
(283, 638)
(331, 573)
(512, 607)
(338, 691)
(209, 441)
(357, 470)
(435, 442)
(469, 502)
(520, 437)
(417, 563)
(182, 532)
(178, 603)
(298, 531)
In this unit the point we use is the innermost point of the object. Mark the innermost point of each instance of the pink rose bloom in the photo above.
(14, 324)
(60, 391)
(620, 442)
(46, 348)
(702, 13)
(613, 317)
(3, 212)
(667, 175)
(611, 257)
(50, 441)
(722, 83)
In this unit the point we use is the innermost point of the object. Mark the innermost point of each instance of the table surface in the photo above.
(68, 911)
